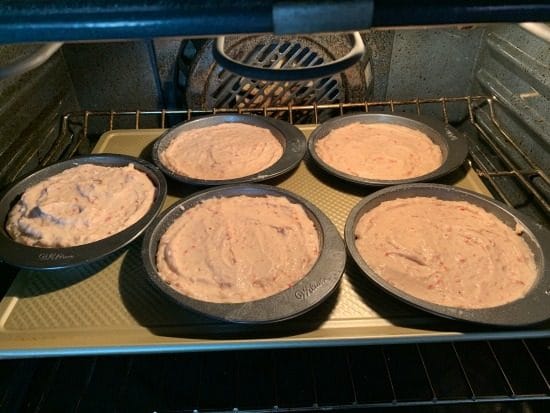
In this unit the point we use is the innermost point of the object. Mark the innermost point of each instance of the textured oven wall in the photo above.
(30, 112)
(115, 75)
(514, 67)
(431, 63)
(380, 45)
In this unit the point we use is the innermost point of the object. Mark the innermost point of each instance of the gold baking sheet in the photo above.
(110, 307)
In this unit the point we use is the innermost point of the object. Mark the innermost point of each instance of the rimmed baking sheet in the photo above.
(109, 307)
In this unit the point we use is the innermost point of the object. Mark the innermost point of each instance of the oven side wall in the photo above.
(514, 67)
(30, 112)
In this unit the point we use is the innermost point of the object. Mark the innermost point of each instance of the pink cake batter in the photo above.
(451, 253)
(379, 151)
(80, 205)
(226, 151)
(238, 249)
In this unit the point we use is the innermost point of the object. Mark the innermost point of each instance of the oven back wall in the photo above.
(143, 74)
(433, 63)
(115, 75)
(119, 76)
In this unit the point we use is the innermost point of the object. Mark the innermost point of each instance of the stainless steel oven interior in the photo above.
(490, 81)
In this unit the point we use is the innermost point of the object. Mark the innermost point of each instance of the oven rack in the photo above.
(494, 153)
(504, 376)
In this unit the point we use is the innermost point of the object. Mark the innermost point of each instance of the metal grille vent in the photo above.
(239, 92)
(217, 87)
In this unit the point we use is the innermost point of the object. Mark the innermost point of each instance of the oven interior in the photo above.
(490, 82)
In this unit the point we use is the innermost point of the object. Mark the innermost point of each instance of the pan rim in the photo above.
(290, 137)
(312, 289)
(42, 258)
(453, 144)
(531, 309)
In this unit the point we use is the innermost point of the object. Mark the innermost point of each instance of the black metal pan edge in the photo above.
(453, 144)
(310, 291)
(532, 309)
(39, 258)
(292, 139)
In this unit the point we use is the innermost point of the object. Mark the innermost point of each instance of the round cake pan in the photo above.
(453, 145)
(531, 309)
(290, 137)
(310, 291)
(31, 257)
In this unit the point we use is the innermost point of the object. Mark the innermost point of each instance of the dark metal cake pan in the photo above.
(291, 139)
(31, 257)
(531, 309)
(453, 144)
(307, 293)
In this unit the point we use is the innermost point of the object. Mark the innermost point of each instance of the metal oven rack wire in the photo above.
(513, 162)
(481, 376)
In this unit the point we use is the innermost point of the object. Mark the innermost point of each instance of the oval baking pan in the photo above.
(310, 291)
(531, 309)
(25, 256)
(290, 137)
(453, 145)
